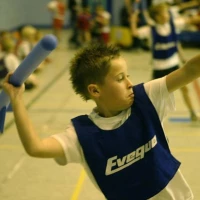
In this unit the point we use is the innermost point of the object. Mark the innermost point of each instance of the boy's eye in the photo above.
(120, 78)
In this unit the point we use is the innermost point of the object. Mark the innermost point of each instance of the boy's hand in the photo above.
(12, 91)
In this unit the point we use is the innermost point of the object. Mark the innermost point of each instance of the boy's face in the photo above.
(116, 93)
(163, 16)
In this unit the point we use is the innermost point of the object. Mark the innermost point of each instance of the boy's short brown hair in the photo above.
(90, 65)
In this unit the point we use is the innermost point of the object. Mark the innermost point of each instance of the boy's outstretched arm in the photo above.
(33, 144)
(184, 75)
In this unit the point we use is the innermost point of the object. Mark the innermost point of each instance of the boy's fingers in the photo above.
(7, 77)
(5, 83)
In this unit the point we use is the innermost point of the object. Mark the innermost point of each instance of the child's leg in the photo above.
(184, 91)
(57, 33)
(57, 28)
(105, 37)
(87, 36)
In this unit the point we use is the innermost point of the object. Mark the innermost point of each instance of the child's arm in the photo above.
(147, 17)
(186, 74)
(33, 144)
(141, 32)
(145, 12)
(128, 5)
(189, 4)
(180, 52)
(134, 20)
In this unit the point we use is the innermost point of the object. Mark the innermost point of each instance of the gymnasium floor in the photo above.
(52, 105)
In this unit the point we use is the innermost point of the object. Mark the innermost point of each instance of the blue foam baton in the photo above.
(42, 49)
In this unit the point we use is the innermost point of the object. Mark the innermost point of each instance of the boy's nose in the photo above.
(130, 84)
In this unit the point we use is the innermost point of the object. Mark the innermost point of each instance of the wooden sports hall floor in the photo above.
(52, 105)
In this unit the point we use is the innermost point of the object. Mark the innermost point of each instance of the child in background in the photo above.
(121, 143)
(167, 54)
(28, 39)
(10, 62)
(102, 18)
(38, 37)
(26, 42)
(58, 9)
(74, 7)
(84, 26)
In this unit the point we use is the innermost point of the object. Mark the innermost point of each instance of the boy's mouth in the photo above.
(131, 95)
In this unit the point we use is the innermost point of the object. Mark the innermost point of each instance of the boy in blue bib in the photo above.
(121, 144)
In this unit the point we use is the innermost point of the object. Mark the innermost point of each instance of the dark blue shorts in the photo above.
(164, 72)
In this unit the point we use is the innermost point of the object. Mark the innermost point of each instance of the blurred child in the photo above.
(3, 35)
(103, 18)
(58, 9)
(74, 7)
(26, 42)
(10, 62)
(84, 25)
(166, 51)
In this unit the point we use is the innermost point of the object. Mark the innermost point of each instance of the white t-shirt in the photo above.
(177, 188)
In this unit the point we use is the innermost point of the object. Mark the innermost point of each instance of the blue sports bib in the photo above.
(132, 162)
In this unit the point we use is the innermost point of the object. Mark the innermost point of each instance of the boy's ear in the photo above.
(93, 90)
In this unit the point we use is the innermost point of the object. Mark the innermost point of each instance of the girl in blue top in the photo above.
(166, 50)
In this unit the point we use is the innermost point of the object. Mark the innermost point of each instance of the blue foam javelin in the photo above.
(42, 49)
